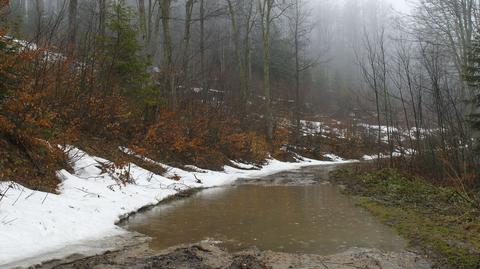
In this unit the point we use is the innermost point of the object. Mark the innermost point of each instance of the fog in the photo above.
(397, 61)
(400, 5)
(337, 39)
(332, 44)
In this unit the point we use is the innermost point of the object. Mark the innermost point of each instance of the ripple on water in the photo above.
(314, 219)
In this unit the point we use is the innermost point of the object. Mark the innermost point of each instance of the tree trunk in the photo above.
(149, 25)
(167, 53)
(72, 26)
(186, 43)
(203, 73)
(265, 12)
(250, 23)
(297, 74)
(102, 17)
(142, 19)
(39, 12)
(240, 62)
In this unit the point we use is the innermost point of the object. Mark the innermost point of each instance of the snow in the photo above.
(403, 134)
(334, 157)
(321, 128)
(198, 90)
(324, 129)
(396, 153)
(37, 226)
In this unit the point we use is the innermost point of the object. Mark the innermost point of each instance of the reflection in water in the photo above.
(305, 219)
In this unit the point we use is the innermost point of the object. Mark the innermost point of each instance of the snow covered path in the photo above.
(90, 203)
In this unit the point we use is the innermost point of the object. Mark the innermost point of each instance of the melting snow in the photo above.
(90, 203)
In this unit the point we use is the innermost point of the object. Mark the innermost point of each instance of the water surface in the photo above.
(312, 218)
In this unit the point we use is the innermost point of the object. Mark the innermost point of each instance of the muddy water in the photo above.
(295, 212)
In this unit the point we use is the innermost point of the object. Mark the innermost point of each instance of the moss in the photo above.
(435, 220)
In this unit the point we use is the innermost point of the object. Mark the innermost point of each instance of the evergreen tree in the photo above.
(122, 49)
(124, 65)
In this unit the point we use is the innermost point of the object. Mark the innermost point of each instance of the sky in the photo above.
(399, 5)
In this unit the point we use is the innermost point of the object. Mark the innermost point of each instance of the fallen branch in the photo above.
(198, 180)
(18, 197)
(33, 192)
(89, 193)
(2, 195)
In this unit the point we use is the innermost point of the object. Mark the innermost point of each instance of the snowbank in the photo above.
(90, 203)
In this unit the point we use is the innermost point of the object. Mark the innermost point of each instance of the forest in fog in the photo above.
(109, 107)
(203, 82)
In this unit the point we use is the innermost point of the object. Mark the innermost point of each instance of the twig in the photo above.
(45, 198)
(33, 192)
(8, 222)
(150, 177)
(111, 187)
(198, 180)
(90, 193)
(2, 195)
(18, 197)
(181, 184)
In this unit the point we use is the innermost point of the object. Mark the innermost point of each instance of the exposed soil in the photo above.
(207, 255)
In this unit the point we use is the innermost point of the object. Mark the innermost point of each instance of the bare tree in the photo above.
(265, 7)
(452, 23)
(369, 67)
(238, 52)
(39, 14)
(300, 30)
(169, 68)
(249, 19)
(72, 25)
(202, 45)
(186, 42)
(102, 16)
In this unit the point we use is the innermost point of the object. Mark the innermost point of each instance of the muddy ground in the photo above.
(207, 255)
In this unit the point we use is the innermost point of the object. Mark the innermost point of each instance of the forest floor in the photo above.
(438, 221)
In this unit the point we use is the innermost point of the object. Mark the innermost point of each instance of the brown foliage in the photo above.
(203, 138)
(57, 100)
(25, 122)
(245, 146)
